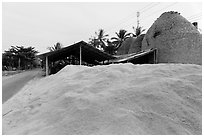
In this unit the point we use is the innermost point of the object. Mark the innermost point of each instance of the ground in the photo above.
(13, 83)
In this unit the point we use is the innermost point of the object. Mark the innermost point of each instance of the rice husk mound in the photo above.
(136, 45)
(176, 39)
(112, 99)
(131, 45)
(124, 48)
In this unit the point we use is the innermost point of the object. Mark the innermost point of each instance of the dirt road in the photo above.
(12, 84)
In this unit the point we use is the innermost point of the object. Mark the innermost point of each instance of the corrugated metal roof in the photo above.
(129, 57)
(90, 54)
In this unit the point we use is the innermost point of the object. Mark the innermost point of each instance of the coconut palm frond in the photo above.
(137, 31)
(118, 35)
(114, 38)
(57, 46)
(106, 35)
(122, 35)
(99, 41)
(127, 35)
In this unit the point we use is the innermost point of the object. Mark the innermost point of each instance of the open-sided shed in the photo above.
(82, 50)
(91, 55)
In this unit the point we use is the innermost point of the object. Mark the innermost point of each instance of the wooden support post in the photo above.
(154, 57)
(155, 54)
(46, 66)
(80, 55)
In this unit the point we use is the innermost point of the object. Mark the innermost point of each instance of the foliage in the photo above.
(122, 35)
(111, 48)
(19, 57)
(57, 65)
(101, 35)
(94, 42)
(99, 40)
(57, 46)
(137, 31)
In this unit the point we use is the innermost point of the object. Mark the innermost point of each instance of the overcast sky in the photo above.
(43, 24)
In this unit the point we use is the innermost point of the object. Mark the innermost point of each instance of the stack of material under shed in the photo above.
(176, 39)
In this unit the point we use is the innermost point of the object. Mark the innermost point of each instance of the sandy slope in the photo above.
(113, 99)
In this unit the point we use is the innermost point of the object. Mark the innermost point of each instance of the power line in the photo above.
(149, 6)
(170, 5)
(157, 11)
(176, 16)
(141, 10)
(130, 15)
(195, 15)
(155, 4)
(195, 20)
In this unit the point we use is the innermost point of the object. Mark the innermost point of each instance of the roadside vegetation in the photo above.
(19, 58)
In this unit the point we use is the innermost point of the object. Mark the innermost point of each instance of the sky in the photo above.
(43, 24)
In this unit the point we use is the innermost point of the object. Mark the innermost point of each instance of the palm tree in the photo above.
(20, 57)
(111, 47)
(137, 31)
(94, 42)
(59, 64)
(122, 35)
(101, 36)
(55, 47)
(99, 40)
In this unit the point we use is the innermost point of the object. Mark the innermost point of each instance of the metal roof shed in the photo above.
(82, 50)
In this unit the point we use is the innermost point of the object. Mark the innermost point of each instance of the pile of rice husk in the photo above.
(136, 45)
(111, 99)
(176, 39)
(131, 45)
